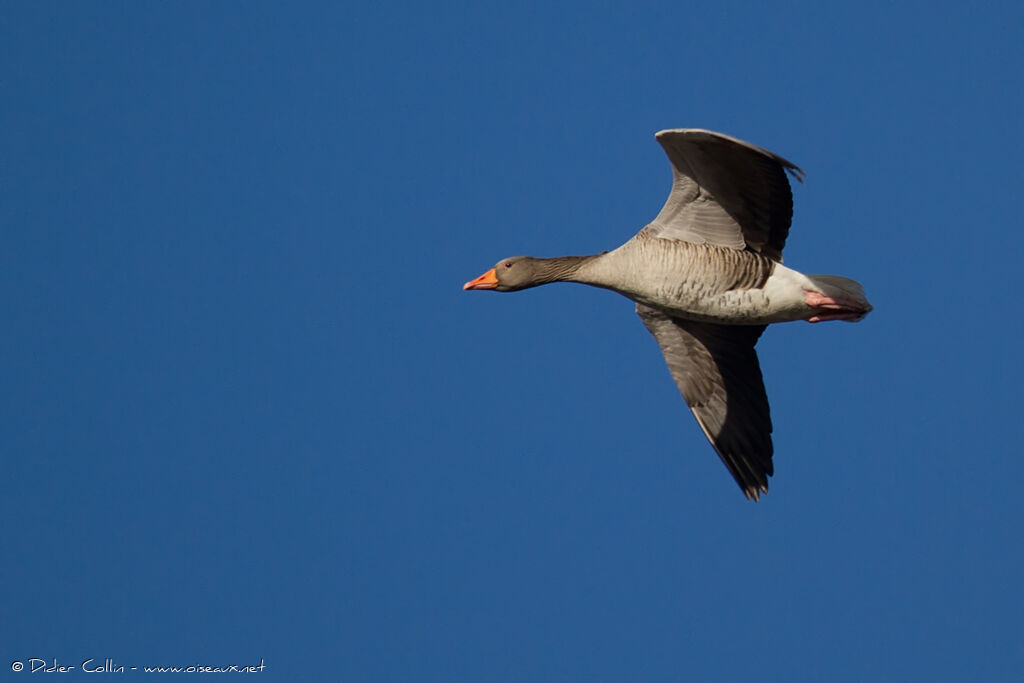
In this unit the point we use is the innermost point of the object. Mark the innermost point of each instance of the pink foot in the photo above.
(835, 308)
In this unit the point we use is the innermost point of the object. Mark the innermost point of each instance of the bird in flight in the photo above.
(707, 278)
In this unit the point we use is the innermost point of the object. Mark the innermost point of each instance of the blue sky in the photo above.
(248, 413)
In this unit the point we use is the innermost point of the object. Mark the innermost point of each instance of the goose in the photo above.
(707, 278)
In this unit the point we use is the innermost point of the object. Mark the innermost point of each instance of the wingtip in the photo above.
(794, 170)
(753, 493)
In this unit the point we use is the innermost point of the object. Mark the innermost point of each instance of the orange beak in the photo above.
(488, 280)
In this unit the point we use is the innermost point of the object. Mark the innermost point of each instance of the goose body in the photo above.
(701, 281)
(707, 277)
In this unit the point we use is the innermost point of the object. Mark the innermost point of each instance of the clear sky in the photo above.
(249, 414)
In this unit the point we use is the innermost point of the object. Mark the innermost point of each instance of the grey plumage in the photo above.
(726, 192)
(707, 277)
(718, 374)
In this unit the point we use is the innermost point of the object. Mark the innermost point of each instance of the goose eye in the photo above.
(508, 264)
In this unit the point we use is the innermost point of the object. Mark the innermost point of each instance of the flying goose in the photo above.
(707, 278)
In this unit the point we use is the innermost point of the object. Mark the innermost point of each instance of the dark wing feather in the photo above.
(717, 372)
(725, 192)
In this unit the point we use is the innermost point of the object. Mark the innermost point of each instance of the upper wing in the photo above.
(726, 192)
(716, 370)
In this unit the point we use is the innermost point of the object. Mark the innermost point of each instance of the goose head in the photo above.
(512, 274)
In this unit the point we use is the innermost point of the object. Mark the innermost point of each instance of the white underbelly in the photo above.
(781, 299)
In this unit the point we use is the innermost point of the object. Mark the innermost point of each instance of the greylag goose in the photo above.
(707, 278)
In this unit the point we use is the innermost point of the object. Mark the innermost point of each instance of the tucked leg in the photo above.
(833, 308)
